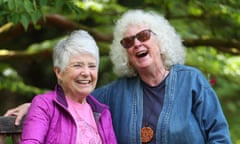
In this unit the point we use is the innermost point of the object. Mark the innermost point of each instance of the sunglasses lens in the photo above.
(127, 42)
(141, 36)
(144, 35)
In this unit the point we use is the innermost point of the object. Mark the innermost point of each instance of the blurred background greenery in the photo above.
(29, 29)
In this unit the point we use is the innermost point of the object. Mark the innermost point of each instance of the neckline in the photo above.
(158, 85)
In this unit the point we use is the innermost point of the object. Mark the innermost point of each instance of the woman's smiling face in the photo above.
(142, 54)
(79, 77)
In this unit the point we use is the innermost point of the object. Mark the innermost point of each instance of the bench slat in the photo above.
(7, 125)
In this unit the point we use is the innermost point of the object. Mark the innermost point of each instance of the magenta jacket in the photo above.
(50, 122)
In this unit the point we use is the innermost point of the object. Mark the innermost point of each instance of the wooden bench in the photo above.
(8, 129)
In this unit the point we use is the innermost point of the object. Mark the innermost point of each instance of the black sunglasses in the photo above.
(142, 36)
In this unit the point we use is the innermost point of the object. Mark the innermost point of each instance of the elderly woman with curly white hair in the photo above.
(157, 99)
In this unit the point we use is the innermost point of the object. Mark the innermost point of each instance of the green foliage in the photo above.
(45, 45)
(26, 11)
(10, 80)
(106, 74)
(21, 11)
(215, 63)
(31, 11)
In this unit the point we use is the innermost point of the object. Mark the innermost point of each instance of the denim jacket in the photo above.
(191, 112)
(50, 122)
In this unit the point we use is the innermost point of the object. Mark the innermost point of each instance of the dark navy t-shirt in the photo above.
(152, 105)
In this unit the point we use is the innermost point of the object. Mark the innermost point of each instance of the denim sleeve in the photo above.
(209, 113)
(101, 94)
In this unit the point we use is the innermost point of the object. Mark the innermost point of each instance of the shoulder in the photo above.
(122, 81)
(45, 98)
(189, 74)
(94, 103)
(42, 105)
(184, 70)
(180, 67)
(113, 90)
(116, 85)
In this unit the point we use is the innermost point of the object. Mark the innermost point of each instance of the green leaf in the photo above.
(11, 4)
(59, 3)
(24, 20)
(35, 16)
(43, 2)
(15, 18)
(28, 6)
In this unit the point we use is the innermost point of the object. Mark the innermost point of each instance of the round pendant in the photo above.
(146, 134)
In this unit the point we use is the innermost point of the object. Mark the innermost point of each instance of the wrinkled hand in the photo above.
(20, 111)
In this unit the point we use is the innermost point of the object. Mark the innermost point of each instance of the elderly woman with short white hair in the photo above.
(70, 114)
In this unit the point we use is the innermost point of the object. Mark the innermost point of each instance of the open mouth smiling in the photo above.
(83, 81)
(142, 53)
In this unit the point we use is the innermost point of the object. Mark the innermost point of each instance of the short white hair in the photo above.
(170, 43)
(77, 42)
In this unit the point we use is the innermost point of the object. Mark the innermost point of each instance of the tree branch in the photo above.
(227, 46)
(64, 24)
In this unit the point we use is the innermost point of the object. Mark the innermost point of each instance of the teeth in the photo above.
(141, 53)
(83, 81)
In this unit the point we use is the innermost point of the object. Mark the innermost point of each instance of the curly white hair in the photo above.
(170, 43)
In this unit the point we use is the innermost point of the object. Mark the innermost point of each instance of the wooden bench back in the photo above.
(8, 129)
